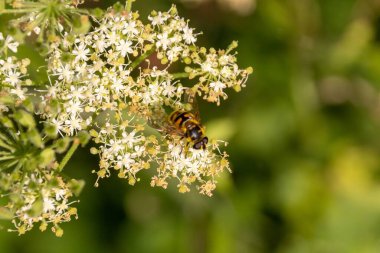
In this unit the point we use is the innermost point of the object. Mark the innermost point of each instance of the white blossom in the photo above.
(104, 78)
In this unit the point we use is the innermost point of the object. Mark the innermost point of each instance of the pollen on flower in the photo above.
(199, 167)
(111, 81)
(102, 85)
(31, 189)
(47, 210)
(208, 188)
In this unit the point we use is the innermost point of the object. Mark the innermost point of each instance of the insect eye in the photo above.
(197, 145)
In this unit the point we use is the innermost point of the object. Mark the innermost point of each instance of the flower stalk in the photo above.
(128, 5)
(180, 75)
(69, 154)
(141, 58)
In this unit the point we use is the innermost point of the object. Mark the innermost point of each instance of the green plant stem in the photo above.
(15, 11)
(6, 146)
(8, 157)
(142, 57)
(180, 75)
(69, 154)
(128, 5)
(2, 5)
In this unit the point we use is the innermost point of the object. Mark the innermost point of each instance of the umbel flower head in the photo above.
(32, 190)
(101, 84)
(46, 18)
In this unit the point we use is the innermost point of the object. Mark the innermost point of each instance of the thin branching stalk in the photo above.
(141, 58)
(69, 154)
(128, 5)
(180, 75)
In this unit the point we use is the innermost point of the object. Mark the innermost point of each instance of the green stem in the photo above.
(6, 146)
(142, 57)
(8, 157)
(2, 5)
(180, 75)
(82, 11)
(15, 11)
(69, 154)
(128, 5)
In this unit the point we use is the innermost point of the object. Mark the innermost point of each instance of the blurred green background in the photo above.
(304, 143)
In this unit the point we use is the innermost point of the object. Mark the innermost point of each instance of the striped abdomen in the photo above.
(190, 127)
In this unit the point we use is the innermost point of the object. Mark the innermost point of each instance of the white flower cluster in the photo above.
(44, 198)
(172, 35)
(190, 166)
(125, 149)
(31, 187)
(95, 77)
(12, 70)
(217, 70)
(101, 84)
(8, 42)
(130, 151)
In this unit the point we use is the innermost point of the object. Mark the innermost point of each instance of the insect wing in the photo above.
(159, 121)
(192, 100)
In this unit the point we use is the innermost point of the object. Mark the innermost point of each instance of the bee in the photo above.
(187, 125)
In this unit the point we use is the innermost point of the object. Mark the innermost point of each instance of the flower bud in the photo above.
(35, 138)
(46, 157)
(24, 118)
